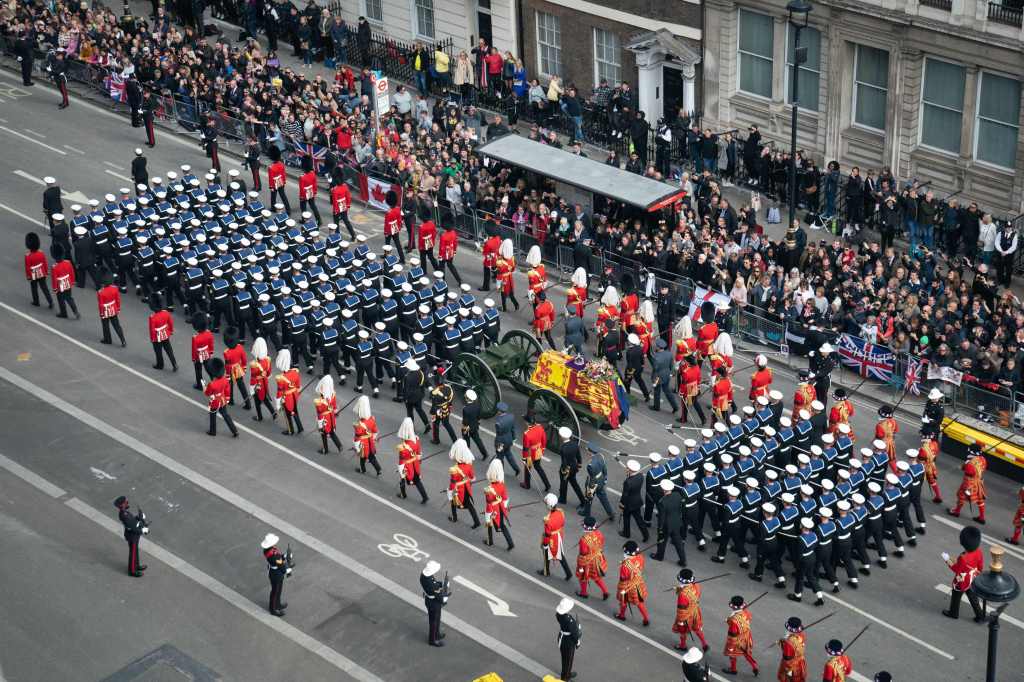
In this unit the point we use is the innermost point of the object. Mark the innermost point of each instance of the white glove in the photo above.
(925, 420)
(945, 557)
(145, 531)
(450, 494)
(288, 571)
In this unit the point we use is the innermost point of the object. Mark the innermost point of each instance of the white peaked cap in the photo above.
(431, 568)
(564, 606)
(565, 432)
(633, 465)
(362, 408)
(269, 540)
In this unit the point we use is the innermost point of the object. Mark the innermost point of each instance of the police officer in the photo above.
(661, 372)
(931, 419)
(665, 313)
(505, 436)
(135, 526)
(670, 522)
(471, 422)
(441, 398)
(277, 565)
(571, 462)
(570, 634)
(597, 479)
(435, 596)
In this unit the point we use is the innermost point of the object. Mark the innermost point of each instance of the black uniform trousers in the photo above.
(439, 421)
(38, 285)
(634, 515)
(842, 553)
(65, 301)
(134, 559)
(567, 648)
(566, 478)
(540, 472)
(161, 347)
(474, 435)
(433, 620)
(276, 590)
(227, 420)
(364, 369)
(954, 603)
(768, 555)
(106, 323)
(416, 406)
(806, 575)
(675, 537)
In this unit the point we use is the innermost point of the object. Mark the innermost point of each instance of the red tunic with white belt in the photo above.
(325, 409)
(448, 245)
(554, 522)
(259, 377)
(36, 266)
(62, 278)
(109, 301)
(307, 186)
(161, 326)
(341, 199)
(409, 455)
(219, 392)
(202, 346)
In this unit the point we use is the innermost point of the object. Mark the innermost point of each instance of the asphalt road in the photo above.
(84, 423)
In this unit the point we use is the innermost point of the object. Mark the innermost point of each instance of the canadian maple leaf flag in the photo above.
(375, 191)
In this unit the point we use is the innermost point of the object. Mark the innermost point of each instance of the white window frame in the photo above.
(740, 51)
(788, 71)
(415, 15)
(978, 119)
(598, 61)
(853, 109)
(364, 10)
(542, 45)
(921, 106)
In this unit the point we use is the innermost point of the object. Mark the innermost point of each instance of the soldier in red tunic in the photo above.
(202, 347)
(109, 301)
(326, 406)
(289, 384)
(410, 454)
(552, 543)
(689, 388)
(218, 392)
(62, 279)
(490, 250)
(793, 666)
(968, 565)
(307, 189)
(460, 482)
(805, 393)
(426, 237)
(536, 277)
(708, 331)
(161, 327)
(721, 395)
(841, 412)
(36, 269)
(885, 431)
(761, 379)
(259, 379)
(839, 666)
(364, 435)
(929, 450)
(576, 295)
(446, 248)
(535, 440)
(543, 318)
(235, 361)
(591, 563)
(689, 618)
(972, 488)
(632, 590)
(496, 500)
(276, 179)
(341, 202)
(739, 640)
(1018, 518)
(505, 267)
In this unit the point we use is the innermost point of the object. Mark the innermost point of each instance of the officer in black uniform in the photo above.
(441, 398)
(934, 413)
(51, 199)
(133, 91)
(412, 391)
(208, 139)
(822, 361)
(85, 258)
(149, 106)
(632, 500)
(570, 635)
(505, 436)
(278, 567)
(435, 596)
(665, 313)
(25, 51)
(670, 522)
(252, 162)
(59, 73)
(471, 422)
(695, 668)
(135, 526)
(572, 460)
(635, 366)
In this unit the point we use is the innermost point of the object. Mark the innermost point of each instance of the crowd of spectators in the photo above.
(945, 297)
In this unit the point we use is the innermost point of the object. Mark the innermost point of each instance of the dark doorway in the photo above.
(483, 20)
(672, 86)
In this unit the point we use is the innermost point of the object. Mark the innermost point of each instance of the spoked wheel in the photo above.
(531, 350)
(555, 411)
(469, 371)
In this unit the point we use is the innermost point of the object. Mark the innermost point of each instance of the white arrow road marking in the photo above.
(499, 607)
(113, 165)
(117, 175)
(76, 196)
(102, 475)
(33, 140)
(947, 590)
(1010, 549)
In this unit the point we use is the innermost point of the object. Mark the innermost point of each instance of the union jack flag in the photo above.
(304, 149)
(115, 84)
(867, 359)
(912, 379)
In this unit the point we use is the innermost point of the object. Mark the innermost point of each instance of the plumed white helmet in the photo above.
(610, 296)
(507, 249)
(460, 452)
(496, 471)
(283, 362)
(647, 311)
(684, 329)
(723, 345)
(325, 386)
(579, 277)
(407, 430)
(259, 348)
(760, 360)
(533, 257)
(362, 408)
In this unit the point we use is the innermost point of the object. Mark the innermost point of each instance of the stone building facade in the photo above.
(929, 88)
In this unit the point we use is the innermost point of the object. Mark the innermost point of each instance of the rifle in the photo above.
(289, 558)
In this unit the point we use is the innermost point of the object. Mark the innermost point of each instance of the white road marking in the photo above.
(38, 223)
(32, 132)
(498, 606)
(415, 518)
(893, 628)
(337, 556)
(117, 175)
(113, 165)
(947, 590)
(33, 140)
(405, 546)
(101, 475)
(75, 197)
(1010, 549)
(73, 149)
(188, 570)
(29, 177)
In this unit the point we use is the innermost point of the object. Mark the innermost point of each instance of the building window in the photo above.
(607, 63)
(998, 123)
(809, 72)
(755, 50)
(373, 10)
(549, 44)
(870, 86)
(425, 18)
(942, 101)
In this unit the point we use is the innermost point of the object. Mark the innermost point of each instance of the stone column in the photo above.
(650, 97)
(689, 86)
(970, 108)
(780, 93)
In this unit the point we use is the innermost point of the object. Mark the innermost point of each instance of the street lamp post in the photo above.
(999, 588)
(799, 16)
